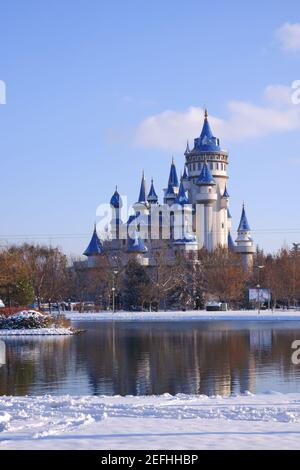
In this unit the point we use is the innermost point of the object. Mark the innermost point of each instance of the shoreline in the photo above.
(200, 315)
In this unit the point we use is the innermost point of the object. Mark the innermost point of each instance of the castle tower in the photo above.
(244, 243)
(186, 241)
(207, 149)
(206, 198)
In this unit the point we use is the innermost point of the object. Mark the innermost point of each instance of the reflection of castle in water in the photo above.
(154, 358)
(180, 359)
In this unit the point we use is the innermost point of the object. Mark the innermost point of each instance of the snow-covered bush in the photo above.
(27, 319)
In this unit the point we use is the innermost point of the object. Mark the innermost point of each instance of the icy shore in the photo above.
(200, 315)
(269, 421)
(38, 332)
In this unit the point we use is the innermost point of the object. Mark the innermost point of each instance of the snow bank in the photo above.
(201, 315)
(270, 421)
(37, 332)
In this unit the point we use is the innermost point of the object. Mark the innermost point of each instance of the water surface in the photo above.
(138, 358)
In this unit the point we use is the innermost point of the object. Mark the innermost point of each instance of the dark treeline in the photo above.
(34, 273)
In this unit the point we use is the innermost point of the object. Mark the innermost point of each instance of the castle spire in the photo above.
(181, 196)
(95, 246)
(152, 196)
(173, 178)
(207, 141)
(142, 196)
(244, 225)
(187, 150)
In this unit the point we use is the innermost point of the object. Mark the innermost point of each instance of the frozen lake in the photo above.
(152, 358)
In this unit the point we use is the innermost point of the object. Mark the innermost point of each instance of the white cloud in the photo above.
(288, 36)
(170, 129)
(278, 95)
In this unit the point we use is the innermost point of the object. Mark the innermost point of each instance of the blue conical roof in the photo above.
(205, 177)
(152, 196)
(244, 225)
(207, 142)
(181, 196)
(142, 196)
(116, 200)
(95, 246)
(230, 242)
(225, 194)
(170, 191)
(185, 175)
(173, 178)
(136, 244)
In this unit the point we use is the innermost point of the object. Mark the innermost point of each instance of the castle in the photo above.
(194, 214)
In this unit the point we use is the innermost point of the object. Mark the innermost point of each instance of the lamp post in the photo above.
(114, 291)
(259, 267)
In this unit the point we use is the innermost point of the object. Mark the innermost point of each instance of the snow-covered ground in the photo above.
(38, 332)
(270, 421)
(199, 315)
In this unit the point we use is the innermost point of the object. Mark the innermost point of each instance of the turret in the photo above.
(152, 196)
(224, 199)
(244, 242)
(183, 238)
(207, 193)
(173, 185)
(94, 250)
(116, 205)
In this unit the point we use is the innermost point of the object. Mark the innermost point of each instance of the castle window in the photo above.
(199, 166)
(211, 166)
(222, 224)
(217, 165)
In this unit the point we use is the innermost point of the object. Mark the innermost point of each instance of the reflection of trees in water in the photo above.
(160, 358)
(30, 361)
(153, 358)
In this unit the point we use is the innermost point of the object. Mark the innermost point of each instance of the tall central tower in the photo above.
(207, 161)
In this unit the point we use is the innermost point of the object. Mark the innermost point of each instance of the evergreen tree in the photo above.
(23, 292)
(136, 286)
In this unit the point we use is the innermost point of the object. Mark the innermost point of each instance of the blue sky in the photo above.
(84, 77)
